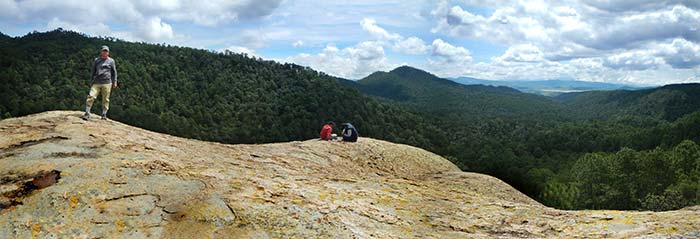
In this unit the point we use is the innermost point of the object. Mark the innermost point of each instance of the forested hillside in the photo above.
(538, 144)
(229, 97)
(445, 98)
(668, 102)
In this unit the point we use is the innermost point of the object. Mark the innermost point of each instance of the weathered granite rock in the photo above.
(111, 180)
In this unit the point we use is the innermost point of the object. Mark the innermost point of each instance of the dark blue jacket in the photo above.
(350, 133)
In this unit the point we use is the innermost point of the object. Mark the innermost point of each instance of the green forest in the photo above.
(541, 145)
(635, 150)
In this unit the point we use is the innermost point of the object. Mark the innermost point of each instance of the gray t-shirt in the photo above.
(104, 71)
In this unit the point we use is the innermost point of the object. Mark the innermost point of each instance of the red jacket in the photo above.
(326, 132)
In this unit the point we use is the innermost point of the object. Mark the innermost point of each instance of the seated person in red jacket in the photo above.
(327, 130)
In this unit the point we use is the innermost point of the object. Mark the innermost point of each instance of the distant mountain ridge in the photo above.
(441, 97)
(480, 99)
(548, 87)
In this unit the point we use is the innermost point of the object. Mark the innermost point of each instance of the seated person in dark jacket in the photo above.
(349, 133)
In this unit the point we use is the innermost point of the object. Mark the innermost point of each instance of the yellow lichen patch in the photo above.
(322, 196)
(73, 202)
(120, 225)
(667, 230)
(36, 229)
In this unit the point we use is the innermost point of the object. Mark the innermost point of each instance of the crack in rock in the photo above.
(14, 188)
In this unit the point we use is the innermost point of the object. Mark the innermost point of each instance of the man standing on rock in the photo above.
(104, 78)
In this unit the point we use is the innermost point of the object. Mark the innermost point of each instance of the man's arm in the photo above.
(94, 71)
(114, 73)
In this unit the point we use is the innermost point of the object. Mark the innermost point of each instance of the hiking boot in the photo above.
(104, 117)
(86, 116)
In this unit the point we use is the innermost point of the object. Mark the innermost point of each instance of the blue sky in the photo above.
(641, 42)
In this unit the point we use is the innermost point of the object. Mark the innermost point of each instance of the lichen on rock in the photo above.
(109, 180)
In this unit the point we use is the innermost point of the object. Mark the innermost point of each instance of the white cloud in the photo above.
(681, 53)
(370, 26)
(638, 5)
(367, 57)
(9, 9)
(639, 41)
(142, 20)
(634, 60)
(150, 30)
(351, 62)
(209, 12)
(257, 38)
(570, 29)
(99, 29)
(631, 30)
(521, 53)
(447, 60)
(411, 45)
(366, 51)
(252, 38)
(240, 49)
(154, 30)
(448, 53)
(678, 53)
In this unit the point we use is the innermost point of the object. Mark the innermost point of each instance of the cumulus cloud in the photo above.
(97, 28)
(352, 62)
(368, 56)
(366, 51)
(412, 46)
(681, 53)
(9, 9)
(252, 38)
(521, 53)
(370, 26)
(611, 40)
(212, 12)
(678, 53)
(298, 43)
(447, 60)
(629, 31)
(572, 29)
(206, 12)
(638, 5)
(240, 49)
(634, 60)
(143, 20)
(154, 29)
(448, 53)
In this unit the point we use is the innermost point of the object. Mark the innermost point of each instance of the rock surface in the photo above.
(61, 177)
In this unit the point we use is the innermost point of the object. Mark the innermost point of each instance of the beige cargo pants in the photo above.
(99, 89)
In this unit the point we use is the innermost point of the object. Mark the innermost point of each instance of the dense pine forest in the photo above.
(187, 92)
(608, 149)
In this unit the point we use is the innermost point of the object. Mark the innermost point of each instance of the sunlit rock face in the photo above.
(62, 177)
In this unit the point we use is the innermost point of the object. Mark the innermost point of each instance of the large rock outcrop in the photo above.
(61, 177)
